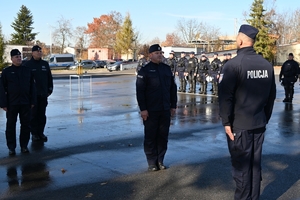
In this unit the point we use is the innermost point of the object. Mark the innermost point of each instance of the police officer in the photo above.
(214, 72)
(191, 72)
(202, 73)
(17, 98)
(142, 62)
(181, 71)
(247, 92)
(44, 88)
(156, 93)
(171, 61)
(164, 59)
(288, 76)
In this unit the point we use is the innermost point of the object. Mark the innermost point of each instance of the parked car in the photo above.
(100, 63)
(86, 64)
(115, 66)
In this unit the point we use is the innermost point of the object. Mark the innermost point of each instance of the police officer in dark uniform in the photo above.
(17, 98)
(156, 93)
(164, 59)
(142, 62)
(247, 92)
(171, 61)
(191, 72)
(181, 71)
(288, 76)
(214, 73)
(202, 73)
(44, 88)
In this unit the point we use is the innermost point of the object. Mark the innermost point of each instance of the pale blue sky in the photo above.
(153, 18)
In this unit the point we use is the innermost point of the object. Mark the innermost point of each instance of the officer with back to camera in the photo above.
(171, 61)
(202, 73)
(191, 72)
(181, 71)
(247, 92)
(288, 76)
(156, 94)
(214, 72)
(44, 88)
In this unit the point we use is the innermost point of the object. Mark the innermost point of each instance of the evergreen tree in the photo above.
(23, 27)
(264, 43)
(125, 37)
(2, 49)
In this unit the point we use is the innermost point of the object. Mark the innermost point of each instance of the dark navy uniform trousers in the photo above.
(156, 130)
(245, 153)
(24, 114)
(38, 118)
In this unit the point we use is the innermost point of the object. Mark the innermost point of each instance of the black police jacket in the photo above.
(155, 88)
(215, 66)
(182, 64)
(247, 91)
(204, 67)
(289, 71)
(42, 76)
(192, 65)
(17, 86)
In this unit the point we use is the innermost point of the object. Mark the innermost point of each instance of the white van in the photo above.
(61, 61)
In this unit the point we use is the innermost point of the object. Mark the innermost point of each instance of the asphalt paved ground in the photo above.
(95, 147)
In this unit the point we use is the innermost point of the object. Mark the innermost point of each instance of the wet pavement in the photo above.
(95, 147)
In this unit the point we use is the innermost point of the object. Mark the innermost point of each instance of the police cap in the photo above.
(291, 54)
(36, 48)
(14, 52)
(192, 52)
(182, 52)
(154, 47)
(248, 30)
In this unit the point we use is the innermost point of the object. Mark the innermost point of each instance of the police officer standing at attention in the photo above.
(191, 72)
(156, 93)
(44, 88)
(17, 98)
(171, 61)
(247, 92)
(288, 76)
(142, 62)
(181, 71)
(214, 72)
(202, 73)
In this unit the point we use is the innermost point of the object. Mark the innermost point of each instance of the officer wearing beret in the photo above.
(44, 87)
(17, 98)
(181, 71)
(288, 76)
(156, 94)
(247, 92)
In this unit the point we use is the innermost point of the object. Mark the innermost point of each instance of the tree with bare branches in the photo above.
(62, 34)
(81, 39)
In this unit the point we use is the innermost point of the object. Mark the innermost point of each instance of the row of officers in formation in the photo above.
(193, 70)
